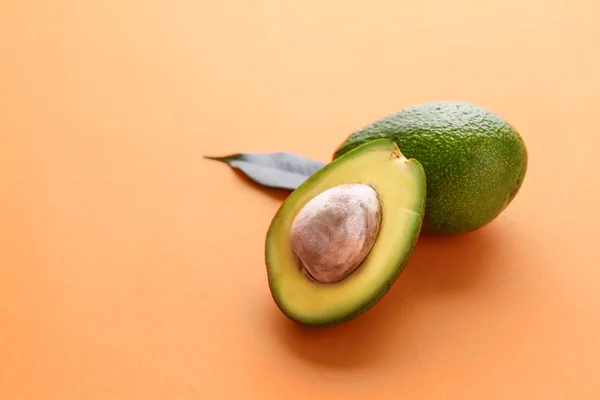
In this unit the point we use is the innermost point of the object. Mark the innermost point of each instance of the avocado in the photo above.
(475, 161)
(342, 238)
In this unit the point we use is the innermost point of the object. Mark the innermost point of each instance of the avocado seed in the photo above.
(334, 231)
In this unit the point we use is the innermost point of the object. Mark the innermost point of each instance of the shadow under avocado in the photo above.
(440, 266)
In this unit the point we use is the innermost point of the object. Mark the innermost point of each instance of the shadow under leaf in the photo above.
(275, 193)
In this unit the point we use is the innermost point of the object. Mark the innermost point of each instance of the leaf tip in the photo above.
(213, 158)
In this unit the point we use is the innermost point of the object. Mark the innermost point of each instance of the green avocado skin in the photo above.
(474, 161)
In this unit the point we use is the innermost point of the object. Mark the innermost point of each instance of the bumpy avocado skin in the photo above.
(474, 161)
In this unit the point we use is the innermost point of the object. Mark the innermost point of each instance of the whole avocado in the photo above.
(474, 161)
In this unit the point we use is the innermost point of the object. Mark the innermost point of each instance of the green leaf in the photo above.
(276, 170)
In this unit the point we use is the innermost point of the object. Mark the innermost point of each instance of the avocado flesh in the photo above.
(401, 188)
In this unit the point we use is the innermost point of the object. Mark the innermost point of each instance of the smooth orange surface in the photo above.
(132, 268)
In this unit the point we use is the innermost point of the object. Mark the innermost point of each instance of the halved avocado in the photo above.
(401, 189)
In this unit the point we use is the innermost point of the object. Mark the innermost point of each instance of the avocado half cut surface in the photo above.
(346, 189)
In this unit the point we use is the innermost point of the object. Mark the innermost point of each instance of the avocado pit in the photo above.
(335, 231)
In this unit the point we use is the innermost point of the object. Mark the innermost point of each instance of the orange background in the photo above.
(132, 268)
